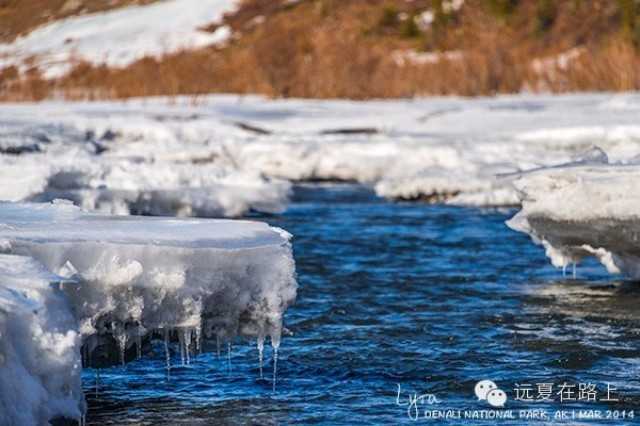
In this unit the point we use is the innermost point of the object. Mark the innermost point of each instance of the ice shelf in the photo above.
(583, 209)
(82, 288)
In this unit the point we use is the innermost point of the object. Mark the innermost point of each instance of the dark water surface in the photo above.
(428, 298)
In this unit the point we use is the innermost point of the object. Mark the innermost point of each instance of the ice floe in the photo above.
(227, 155)
(585, 208)
(92, 290)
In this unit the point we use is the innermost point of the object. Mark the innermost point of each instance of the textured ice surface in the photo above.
(586, 208)
(39, 346)
(120, 280)
(226, 155)
(102, 164)
(119, 37)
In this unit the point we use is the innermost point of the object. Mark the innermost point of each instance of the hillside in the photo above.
(367, 49)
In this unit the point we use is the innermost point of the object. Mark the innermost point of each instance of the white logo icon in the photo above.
(487, 390)
(497, 398)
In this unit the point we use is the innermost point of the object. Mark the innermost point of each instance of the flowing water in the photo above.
(401, 297)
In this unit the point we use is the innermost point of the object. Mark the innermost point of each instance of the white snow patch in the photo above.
(425, 19)
(561, 61)
(119, 37)
(413, 57)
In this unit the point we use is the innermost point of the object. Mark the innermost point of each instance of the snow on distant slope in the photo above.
(118, 283)
(582, 209)
(161, 156)
(119, 37)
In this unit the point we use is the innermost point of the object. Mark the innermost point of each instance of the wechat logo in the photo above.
(487, 390)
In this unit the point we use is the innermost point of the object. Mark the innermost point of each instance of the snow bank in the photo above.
(165, 189)
(39, 347)
(119, 37)
(122, 279)
(585, 208)
(127, 166)
(227, 155)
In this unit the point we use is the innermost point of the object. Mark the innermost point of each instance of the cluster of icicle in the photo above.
(189, 341)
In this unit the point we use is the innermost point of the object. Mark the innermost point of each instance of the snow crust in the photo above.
(227, 155)
(40, 361)
(87, 286)
(127, 165)
(586, 208)
(121, 36)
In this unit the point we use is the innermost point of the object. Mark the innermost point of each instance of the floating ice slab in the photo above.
(581, 210)
(122, 279)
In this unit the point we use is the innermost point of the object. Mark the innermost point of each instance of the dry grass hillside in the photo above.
(381, 48)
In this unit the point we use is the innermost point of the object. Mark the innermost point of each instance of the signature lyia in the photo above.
(412, 400)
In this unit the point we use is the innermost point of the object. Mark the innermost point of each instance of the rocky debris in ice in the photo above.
(120, 282)
(351, 131)
(252, 128)
(586, 208)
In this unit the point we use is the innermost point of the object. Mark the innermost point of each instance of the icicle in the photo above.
(122, 341)
(121, 338)
(167, 355)
(181, 341)
(574, 270)
(260, 353)
(275, 366)
(275, 344)
(187, 343)
(139, 342)
(229, 357)
(198, 331)
(564, 270)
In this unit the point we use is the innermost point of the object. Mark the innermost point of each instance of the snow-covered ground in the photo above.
(117, 162)
(586, 208)
(39, 347)
(119, 37)
(226, 155)
(72, 280)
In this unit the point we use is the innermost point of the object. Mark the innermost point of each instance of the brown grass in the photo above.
(345, 49)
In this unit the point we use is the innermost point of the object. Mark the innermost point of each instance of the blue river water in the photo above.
(405, 298)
